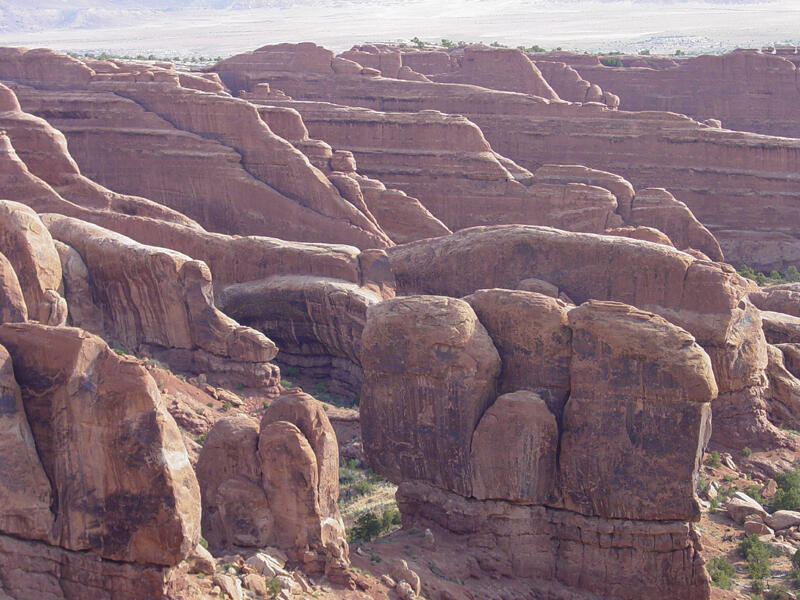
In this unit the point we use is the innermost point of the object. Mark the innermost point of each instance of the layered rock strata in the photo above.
(751, 175)
(707, 299)
(431, 417)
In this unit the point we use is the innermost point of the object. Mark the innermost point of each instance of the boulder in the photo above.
(638, 415)
(127, 491)
(28, 246)
(533, 339)
(235, 508)
(430, 369)
(783, 519)
(523, 468)
(741, 505)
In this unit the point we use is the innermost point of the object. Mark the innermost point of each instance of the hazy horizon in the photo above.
(224, 27)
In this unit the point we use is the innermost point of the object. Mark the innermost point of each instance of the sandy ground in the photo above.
(593, 25)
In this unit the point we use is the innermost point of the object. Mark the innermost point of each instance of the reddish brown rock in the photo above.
(532, 337)
(127, 492)
(25, 494)
(29, 248)
(523, 468)
(505, 69)
(638, 416)
(445, 162)
(649, 149)
(430, 370)
(562, 553)
(275, 485)
(12, 302)
(706, 299)
(235, 509)
(162, 300)
(308, 415)
(729, 88)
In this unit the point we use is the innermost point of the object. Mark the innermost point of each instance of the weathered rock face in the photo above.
(445, 162)
(235, 508)
(729, 88)
(563, 553)
(12, 302)
(402, 217)
(638, 415)
(29, 248)
(275, 485)
(162, 300)
(505, 69)
(127, 492)
(638, 411)
(316, 321)
(25, 494)
(650, 149)
(706, 299)
(430, 370)
(507, 316)
(229, 142)
(523, 469)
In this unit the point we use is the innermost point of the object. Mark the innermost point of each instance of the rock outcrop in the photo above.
(223, 138)
(101, 499)
(162, 301)
(276, 484)
(707, 299)
(746, 90)
(433, 395)
(649, 149)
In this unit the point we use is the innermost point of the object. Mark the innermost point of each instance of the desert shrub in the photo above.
(390, 518)
(363, 487)
(644, 52)
(714, 460)
(757, 555)
(721, 572)
(788, 495)
(778, 592)
(274, 588)
(754, 492)
(611, 62)
(746, 451)
(367, 527)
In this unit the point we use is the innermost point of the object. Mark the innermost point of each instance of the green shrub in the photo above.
(273, 587)
(788, 495)
(204, 543)
(757, 555)
(778, 592)
(721, 572)
(611, 62)
(714, 460)
(286, 383)
(644, 52)
(390, 518)
(367, 527)
(226, 406)
(796, 560)
(754, 492)
(363, 487)
(746, 451)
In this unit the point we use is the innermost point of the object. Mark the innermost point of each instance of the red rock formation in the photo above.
(276, 485)
(162, 301)
(228, 141)
(650, 149)
(119, 505)
(707, 299)
(746, 90)
(504, 69)
(419, 400)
